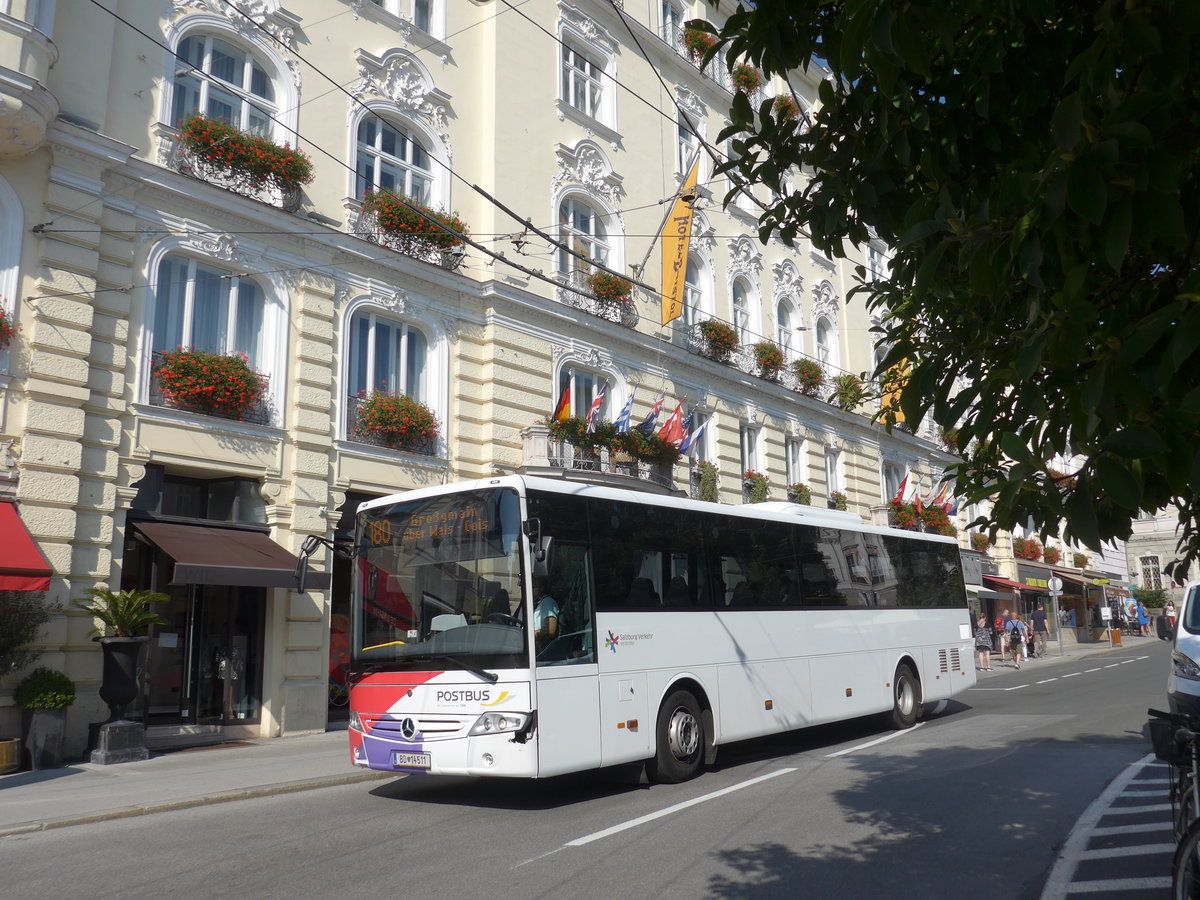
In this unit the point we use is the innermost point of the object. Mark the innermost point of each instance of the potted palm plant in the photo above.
(45, 694)
(125, 617)
(22, 615)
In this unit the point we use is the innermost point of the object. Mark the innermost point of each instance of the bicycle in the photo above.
(1176, 740)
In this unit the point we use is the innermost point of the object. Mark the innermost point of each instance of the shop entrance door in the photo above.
(205, 666)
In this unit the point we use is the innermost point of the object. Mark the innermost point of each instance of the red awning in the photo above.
(22, 566)
(1014, 585)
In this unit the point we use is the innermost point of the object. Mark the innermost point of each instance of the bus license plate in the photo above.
(402, 760)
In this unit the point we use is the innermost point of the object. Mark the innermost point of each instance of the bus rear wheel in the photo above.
(679, 738)
(906, 698)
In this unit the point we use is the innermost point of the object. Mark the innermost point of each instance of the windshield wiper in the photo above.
(481, 674)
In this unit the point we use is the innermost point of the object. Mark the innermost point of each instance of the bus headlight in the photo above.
(1184, 666)
(356, 722)
(498, 722)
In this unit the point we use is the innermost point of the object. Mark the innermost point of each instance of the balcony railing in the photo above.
(572, 290)
(544, 455)
(742, 359)
(424, 447)
(259, 413)
(178, 157)
(364, 225)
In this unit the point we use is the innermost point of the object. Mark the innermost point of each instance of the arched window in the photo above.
(581, 386)
(582, 228)
(220, 80)
(391, 158)
(203, 307)
(687, 142)
(785, 330)
(386, 355)
(824, 341)
(741, 309)
(693, 294)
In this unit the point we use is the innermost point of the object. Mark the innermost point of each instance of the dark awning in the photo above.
(1005, 582)
(228, 556)
(22, 566)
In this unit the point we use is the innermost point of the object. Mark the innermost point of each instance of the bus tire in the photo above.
(679, 740)
(906, 698)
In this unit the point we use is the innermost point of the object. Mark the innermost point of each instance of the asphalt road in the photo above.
(974, 802)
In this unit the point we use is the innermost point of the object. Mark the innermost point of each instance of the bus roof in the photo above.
(772, 511)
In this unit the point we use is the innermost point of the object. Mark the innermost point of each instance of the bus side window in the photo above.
(570, 584)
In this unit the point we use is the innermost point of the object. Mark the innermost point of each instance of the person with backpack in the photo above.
(1017, 632)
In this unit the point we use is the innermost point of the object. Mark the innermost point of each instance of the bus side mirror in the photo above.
(543, 557)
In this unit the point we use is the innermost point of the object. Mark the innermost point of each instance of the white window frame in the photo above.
(750, 444)
(595, 243)
(375, 318)
(670, 24)
(12, 218)
(891, 474)
(785, 332)
(415, 136)
(796, 460)
(435, 392)
(703, 448)
(408, 10)
(741, 315)
(584, 382)
(286, 103)
(591, 41)
(834, 476)
(827, 349)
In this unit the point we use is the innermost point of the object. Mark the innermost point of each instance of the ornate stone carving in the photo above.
(220, 246)
(400, 78)
(825, 302)
(395, 301)
(587, 28)
(744, 258)
(691, 104)
(788, 281)
(587, 165)
(250, 18)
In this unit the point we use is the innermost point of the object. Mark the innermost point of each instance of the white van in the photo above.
(1183, 682)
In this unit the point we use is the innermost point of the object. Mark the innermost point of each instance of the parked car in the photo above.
(1183, 681)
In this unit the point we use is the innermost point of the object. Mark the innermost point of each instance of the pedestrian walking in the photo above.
(1143, 619)
(1001, 622)
(1169, 611)
(1040, 631)
(1016, 630)
(983, 644)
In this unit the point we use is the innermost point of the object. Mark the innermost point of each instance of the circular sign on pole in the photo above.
(1055, 584)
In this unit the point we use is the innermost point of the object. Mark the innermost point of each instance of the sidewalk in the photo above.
(1001, 662)
(80, 793)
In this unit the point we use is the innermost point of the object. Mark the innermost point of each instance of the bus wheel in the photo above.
(680, 740)
(906, 694)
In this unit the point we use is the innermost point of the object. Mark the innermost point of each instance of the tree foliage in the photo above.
(1033, 165)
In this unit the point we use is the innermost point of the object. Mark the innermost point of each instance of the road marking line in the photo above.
(1047, 680)
(1130, 810)
(1017, 688)
(1160, 882)
(1126, 662)
(1072, 675)
(1112, 665)
(886, 737)
(1151, 793)
(650, 817)
(1114, 830)
(1115, 852)
(1097, 669)
(1059, 883)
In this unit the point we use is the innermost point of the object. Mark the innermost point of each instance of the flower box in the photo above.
(395, 421)
(809, 376)
(980, 542)
(746, 78)
(786, 108)
(697, 43)
(8, 327)
(769, 359)
(1027, 548)
(1051, 555)
(249, 164)
(720, 337)
(610, 289)
(756, 486)
(800, 493)
(837, 500)
(412, 228)
(214, 384)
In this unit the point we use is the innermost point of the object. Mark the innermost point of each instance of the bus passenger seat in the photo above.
(642, 593)
(678, 593)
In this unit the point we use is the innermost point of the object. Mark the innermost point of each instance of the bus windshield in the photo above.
(437, 585)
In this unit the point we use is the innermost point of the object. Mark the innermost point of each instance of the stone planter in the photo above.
(45, 738)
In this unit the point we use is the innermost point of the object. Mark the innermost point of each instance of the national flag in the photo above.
(594, 412)
(672, 432)
(563, 411)
(901, 490)
(626, 415)
(648, 423)
(676, 236)
(692, 441)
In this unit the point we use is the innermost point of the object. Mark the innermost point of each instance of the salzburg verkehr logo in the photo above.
(611, 641)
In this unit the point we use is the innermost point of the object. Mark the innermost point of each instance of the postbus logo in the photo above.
(611, 641)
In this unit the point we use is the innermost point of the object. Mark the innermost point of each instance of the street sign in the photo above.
(1055, 584)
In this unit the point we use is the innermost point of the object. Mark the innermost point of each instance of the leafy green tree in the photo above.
(1033, 165)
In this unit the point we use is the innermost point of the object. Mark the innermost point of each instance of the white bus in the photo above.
(529, 627)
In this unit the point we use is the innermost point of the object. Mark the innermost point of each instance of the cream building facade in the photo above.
(575, 119)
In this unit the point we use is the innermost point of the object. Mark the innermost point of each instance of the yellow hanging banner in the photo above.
(676, 237)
